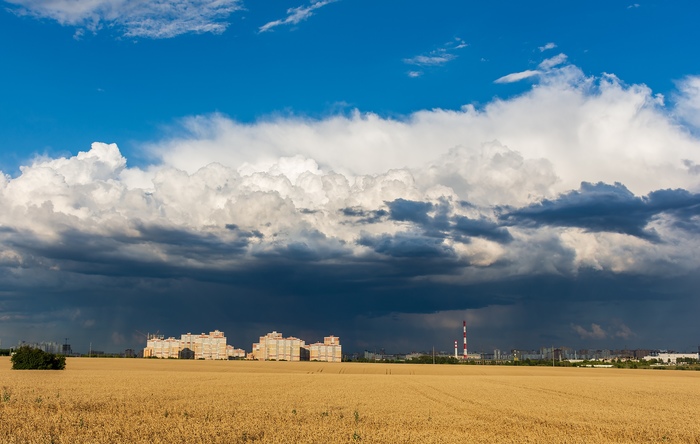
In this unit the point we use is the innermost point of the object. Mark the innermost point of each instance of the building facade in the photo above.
(235, 353)
(328, 351)
(163, 348)
(274, 347)
(671, 358)
(210, 346)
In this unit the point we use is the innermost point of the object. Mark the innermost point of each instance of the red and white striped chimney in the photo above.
(464, 323)
(455, 349)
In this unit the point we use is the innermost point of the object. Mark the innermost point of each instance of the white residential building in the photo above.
(274, 347)
(670, 358)
(202, 346)
(328, 351)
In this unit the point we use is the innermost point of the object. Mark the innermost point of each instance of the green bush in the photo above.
(27, 358)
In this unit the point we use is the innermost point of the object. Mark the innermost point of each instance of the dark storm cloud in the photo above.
(411, 211)
(611, 208)
(315, 246)
(243, 233)
(364, 217)
(297, 287)
(118, 255)
(482, 228)
(246, 283)
(460, 228)
(682, 205)
(407, 245)
(195, 241)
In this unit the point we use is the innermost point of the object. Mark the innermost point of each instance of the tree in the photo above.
(28, 358)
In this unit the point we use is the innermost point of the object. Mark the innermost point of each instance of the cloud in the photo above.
(404, 245)
(580, 192)
(436, 57)
(596, 332)
(553, 61)
(547, 47)
(163, 19)
(544, 67)
(517, 76)
(610, 208)
(296, 15)
(687, 101)
(622, 331)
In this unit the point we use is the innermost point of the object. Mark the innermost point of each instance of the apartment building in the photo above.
(235, 353)
(328, 351)
(189, 346)
(164, 348)
(274, 347)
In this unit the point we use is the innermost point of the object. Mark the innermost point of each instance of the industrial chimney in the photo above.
(464, 324)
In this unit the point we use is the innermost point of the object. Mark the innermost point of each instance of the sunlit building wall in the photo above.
(210, 346)
(328, 351)
(158, 347)
(235, 353)
(274, 347)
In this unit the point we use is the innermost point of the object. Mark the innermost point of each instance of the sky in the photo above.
(377, 170)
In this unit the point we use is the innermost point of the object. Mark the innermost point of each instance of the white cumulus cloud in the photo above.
(586, 128)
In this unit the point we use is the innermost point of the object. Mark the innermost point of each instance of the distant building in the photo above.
(159, 347)
(210, 346)
(235, 353)
(328, 351)
(48, 347)
(641, 353)
(203, 346)
(129, 353)
(671, 358)
(274, 347)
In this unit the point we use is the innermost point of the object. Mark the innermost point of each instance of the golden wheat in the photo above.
(171, 401)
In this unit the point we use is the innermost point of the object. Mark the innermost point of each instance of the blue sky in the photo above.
(417, 164)
(61, 93)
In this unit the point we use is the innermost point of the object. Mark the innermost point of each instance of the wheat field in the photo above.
(170, 401)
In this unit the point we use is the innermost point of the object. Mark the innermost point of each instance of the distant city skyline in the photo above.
(377, 170)
(56, 347)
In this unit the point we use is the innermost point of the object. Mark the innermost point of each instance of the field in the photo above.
(171, 401)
